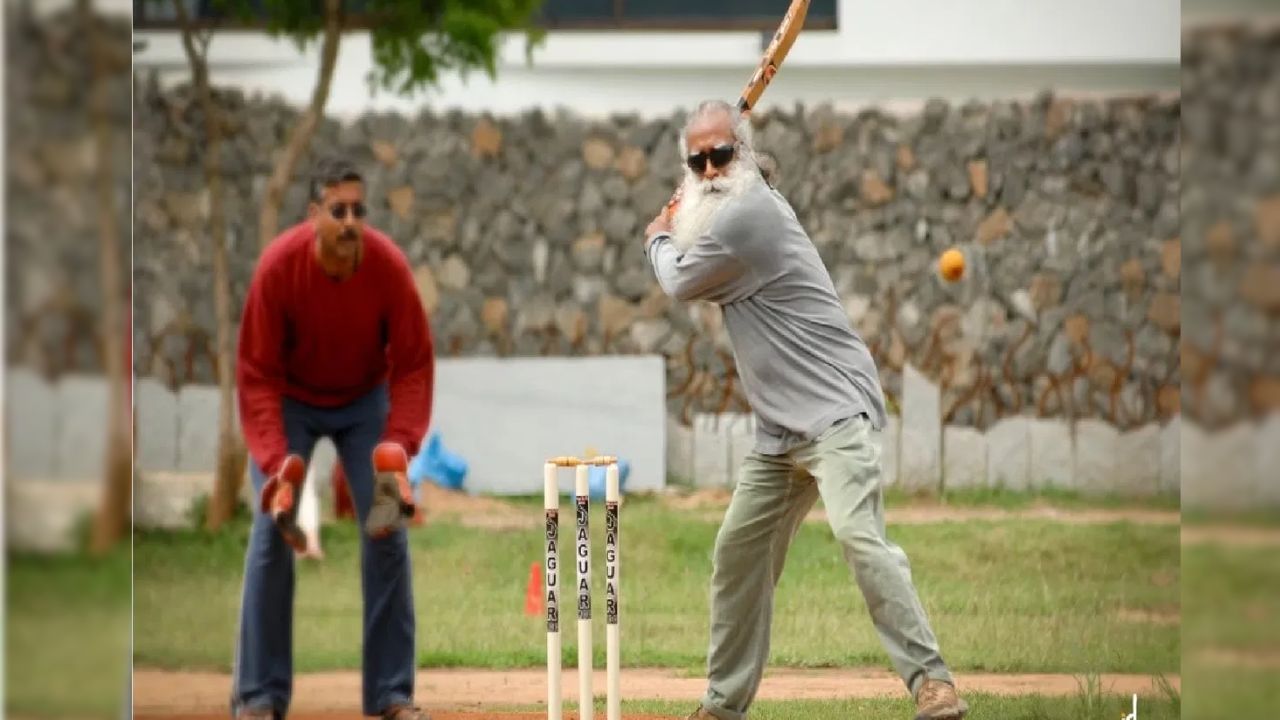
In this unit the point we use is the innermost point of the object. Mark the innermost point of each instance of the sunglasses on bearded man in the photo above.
(719, 156)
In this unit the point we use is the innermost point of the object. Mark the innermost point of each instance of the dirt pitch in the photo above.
(473, 694)
(435, 715)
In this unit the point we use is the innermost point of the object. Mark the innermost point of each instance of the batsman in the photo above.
(333, 342)
(815, 391)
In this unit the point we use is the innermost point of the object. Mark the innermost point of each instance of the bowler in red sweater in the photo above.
(333, 343)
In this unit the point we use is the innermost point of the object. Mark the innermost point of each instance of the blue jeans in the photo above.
(263, 673)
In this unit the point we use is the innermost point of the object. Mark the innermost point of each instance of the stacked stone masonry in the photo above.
(524, 235)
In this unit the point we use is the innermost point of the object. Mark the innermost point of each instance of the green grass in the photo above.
(1008, 596)
(1228, 693)
(1015, 500)
(1232, 597)
(67, 635)
(1231, 603)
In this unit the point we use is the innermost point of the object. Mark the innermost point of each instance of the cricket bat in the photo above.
(773, 56)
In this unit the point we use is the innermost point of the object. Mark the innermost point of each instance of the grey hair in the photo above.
(330, 171)
(740, 123)
(768, 165)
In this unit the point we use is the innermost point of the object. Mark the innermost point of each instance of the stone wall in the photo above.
(524, 233)
(1231, 224)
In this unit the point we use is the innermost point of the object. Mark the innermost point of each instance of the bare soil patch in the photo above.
(435, 715)
(706, 499)
(1237, 659)
(1231, 535)
(473, 510)
(943, 513)
(160, 693)
(497, 514)
(1162, 617)
(712, 504)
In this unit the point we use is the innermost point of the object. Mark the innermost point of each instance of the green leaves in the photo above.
(414, 42)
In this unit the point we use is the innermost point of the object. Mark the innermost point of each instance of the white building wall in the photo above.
(882, 53)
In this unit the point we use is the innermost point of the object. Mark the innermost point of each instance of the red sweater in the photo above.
(325, 342)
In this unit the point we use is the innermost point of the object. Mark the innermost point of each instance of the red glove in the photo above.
(279, 499)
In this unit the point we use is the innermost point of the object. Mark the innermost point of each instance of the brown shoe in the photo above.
(937, 700)
(255, 713)
(701, 714)
(404, 712)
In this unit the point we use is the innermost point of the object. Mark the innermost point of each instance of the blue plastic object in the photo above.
(596, 478)
(437, 464)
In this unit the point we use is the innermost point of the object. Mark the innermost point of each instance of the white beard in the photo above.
(701, 200)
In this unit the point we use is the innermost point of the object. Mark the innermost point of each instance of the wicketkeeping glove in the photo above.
(392, 494)
(279, 500)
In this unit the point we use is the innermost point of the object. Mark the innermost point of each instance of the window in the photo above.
(680, 14)
(673, 15)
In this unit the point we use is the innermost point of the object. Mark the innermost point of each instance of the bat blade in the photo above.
(773, 56)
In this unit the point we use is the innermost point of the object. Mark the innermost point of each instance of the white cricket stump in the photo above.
(551, 505)
(613, 657)
(582, 491)
(582, 562)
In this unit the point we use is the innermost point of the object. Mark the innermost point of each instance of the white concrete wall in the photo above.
(119, 8)
(503, 416)
(506, 416)
(1034, 32)
(505, 419)
(1090, 457)
(882, 53)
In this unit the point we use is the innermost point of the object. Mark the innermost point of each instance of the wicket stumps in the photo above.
(582, 554)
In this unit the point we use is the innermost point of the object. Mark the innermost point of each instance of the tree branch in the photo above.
(230, 467)
(300, 138)
(194, 56)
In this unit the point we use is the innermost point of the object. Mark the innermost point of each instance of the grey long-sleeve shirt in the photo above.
(802, 365)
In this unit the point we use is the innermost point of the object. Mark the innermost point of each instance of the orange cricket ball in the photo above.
(951, 265)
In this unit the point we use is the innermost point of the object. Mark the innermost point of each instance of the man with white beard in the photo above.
(815, 391)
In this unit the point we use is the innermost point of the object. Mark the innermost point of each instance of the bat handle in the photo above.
(673, 203)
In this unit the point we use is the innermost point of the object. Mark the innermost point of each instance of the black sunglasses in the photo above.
(339, 211)
(719, 156)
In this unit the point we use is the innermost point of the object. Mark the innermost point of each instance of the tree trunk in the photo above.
(113, 518)
(231, 453)
(300, 138)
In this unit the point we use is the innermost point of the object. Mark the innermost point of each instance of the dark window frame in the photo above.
(150, 15)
